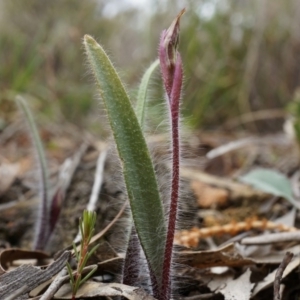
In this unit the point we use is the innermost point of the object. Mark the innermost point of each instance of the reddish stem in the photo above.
(174, 108)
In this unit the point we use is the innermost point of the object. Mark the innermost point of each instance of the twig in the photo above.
(98, 180)
(255, 116)
(278, 276)
(191, 238)
(96, 187)
(223, 149)
(69, 167)
(234, 145)
(272, 238)
(60, 279)
(102, 232)
(55, 285)
(65, 176)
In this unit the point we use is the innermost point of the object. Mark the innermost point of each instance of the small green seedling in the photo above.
(86, 226)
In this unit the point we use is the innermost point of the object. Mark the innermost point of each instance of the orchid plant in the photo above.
(155, 233)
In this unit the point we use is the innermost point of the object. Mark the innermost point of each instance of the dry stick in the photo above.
(102, 232)
(66, 172)
(286, 260)
(272, 238)
(98, 180)
(60, 279)
(69, 167)
(255, 116)
(96, 187)
(234, 145)
(191, 238)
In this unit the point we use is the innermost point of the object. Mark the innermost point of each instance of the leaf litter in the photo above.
(212, 265)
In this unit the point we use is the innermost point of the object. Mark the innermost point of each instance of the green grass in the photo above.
(243, 59)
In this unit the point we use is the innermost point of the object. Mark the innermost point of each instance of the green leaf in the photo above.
(92, 251)
(88, 276)
(76, 251)
(142, 93)
(77, 284)
(83, 264)
(70, 273)
(140, 180)
(43, 219)
(272, 182)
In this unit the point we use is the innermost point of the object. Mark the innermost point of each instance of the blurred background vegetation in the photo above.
(242, 58)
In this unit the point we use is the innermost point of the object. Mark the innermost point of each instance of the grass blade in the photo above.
(43, 220)
(142, 93)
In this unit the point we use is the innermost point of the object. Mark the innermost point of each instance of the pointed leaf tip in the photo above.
(168, 54)
(87, 37)
(171, 38)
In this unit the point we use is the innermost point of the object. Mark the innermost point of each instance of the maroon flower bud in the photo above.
(168, 54)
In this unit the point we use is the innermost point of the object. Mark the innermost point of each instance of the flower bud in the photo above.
(168, 54)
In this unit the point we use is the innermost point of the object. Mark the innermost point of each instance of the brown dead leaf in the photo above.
(8, 173)
(226, 256)
(24, 165)
(10, 255)
(208, 196)
(92, 289)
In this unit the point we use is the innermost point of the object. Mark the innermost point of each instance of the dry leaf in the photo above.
(17, 283)
(92, 289)
(207, 196)
(9, 255)
(218, 281)
(8, 173)
(225, 256)
(238, 289)
(269, 279)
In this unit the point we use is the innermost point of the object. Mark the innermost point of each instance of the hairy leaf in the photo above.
(138, 170)
(142, 93)
(43, 220)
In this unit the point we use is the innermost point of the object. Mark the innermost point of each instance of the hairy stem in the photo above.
(132, 260)
(171, 70)
(174, 107)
